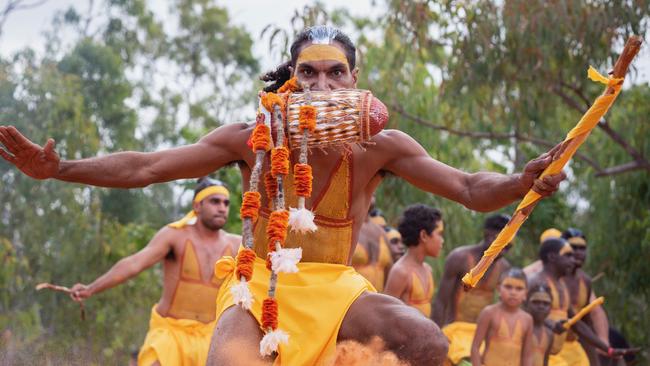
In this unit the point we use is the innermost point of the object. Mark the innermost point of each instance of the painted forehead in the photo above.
(321, 52)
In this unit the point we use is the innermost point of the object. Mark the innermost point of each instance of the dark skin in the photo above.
(556, 269)
(393, 151)
(539, 310)
(168, 245)
(456, 267)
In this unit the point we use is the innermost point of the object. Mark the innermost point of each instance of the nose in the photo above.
(321, 83)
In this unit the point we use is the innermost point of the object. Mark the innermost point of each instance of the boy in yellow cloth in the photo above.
(506, 329)
(183, 320)
(324, 59)
(456, 310)
(411, 279)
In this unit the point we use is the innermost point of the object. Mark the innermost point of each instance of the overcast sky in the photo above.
(25, 28)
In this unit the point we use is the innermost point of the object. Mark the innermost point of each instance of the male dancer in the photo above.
(182, 321)
(323, 58)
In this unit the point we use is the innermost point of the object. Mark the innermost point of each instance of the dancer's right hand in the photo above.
(32, 159)
(80, 292)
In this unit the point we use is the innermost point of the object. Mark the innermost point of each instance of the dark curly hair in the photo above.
(282, 73)
(549, 246)
(416, 218)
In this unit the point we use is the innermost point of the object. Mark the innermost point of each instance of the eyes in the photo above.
(308, 72)
(218, 201)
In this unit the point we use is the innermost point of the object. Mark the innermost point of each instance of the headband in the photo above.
(200, 196)
(393, 234)
(549, 233)
(577, 240)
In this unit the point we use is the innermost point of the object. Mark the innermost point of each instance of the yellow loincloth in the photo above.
(573, 354)
(175, 342)
(311, 304)
(555, 360)
(460, 336)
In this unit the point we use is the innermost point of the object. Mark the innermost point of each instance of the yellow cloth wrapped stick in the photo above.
(573, 140)
(584, 311)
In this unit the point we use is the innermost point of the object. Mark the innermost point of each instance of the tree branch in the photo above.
(490, 135)
(623, 168)
(14, 5)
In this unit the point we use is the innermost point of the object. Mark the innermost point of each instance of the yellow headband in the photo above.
(549, 233)
(321, 52)
(203, 194)
(566, 249)
(209, 191)
(514, 282)
(540, 296)
(379, 220)
(578, 241)
(393, 234)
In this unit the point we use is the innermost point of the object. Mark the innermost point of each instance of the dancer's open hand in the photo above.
(32, 159)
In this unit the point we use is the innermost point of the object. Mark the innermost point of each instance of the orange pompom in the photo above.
(276, 230)
(250, 205)
(270, 185)
(269, 263)
(269, 314)
(307, 118)
(245, 260)
(303, 178)
(270, 100)
(280, 161)
(290, 85)
(261, 138)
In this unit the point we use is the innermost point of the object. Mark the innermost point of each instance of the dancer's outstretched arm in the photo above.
(483, 191)
(128, 169)
(130, 266)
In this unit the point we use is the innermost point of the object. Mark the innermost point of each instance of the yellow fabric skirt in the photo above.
(460, 336)
(175, 342)
(311, 305)
(573, 354)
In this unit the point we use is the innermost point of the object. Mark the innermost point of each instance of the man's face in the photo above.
(396, 248)
(435, 240)
(326, 75)
(213, 211)
(579, 251)
(565, 262)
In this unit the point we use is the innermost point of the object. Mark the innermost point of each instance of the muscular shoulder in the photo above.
(393, 140)
(457, 258)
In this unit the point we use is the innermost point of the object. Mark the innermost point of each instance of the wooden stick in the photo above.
(561, 156)
(584, 311)
(49, 286)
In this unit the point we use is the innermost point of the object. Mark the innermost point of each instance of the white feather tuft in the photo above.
(285, 260)
(242, 295)
(302, 220)
(271, 342)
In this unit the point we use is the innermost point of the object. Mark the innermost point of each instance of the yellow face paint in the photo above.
(513, 282)
(540, 296)
(321, 52)
(566, 249)
(209, 191)
(578, 241)
(393, 234)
